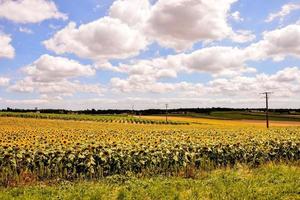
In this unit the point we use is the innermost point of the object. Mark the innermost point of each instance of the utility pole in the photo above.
(167, 112)
(267, 107)
(132, 109)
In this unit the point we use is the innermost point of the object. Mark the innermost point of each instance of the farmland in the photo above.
(40, 149)
(243, 115)
(97, 118)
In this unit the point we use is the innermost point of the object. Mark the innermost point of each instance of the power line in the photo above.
(267, 106)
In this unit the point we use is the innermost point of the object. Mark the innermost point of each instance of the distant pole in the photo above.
(267, 107)
(132, 108)
(166, 112)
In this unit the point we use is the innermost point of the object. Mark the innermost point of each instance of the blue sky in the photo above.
(115, 54)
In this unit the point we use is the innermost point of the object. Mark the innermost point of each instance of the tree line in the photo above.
(178, 111)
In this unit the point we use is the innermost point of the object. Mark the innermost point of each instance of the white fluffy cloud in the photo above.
(283, 83)
(54, 76)
(100, 40)
(48, 68)
(133, 24)
(6, 49)
(289, 74)
(4, 81)
(179, 23)
(277, 44)
(55, 89)
(239, 91)
(29, 11)
(145, 75)
(242, 36)
(285, 10)
(229, 91)
(217, 61)
(213, 60)
(130, 27)
(24, 103)
(237, 16)
(141, 84)
(131, 12)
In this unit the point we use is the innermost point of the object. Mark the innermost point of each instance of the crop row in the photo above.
(95, 162)
(98, 118)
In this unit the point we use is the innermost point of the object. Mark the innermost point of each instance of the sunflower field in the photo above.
(44, 149)
(99, 118)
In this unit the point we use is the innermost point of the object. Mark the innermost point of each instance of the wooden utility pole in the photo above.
(132, 110)
(167, 112)
(267, 107)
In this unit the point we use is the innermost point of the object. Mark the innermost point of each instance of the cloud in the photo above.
(6, 49)
(54, 27)
(285, 10)
(25, 30)
(148, 102)
(143, 84)
(178, 24)
(131, 12)
(235, 86)
(283, 83)
(48, 68)
(277, 44)
(100, 40)
(238, 91)
(146, 75)
(4, 81)
(242, 36)
(217, 61)
(29, 11)
(55, 89)
(237, 16)
(134, 24)
(289, 74)
(24, 102)
(129, 28)
(54, 75)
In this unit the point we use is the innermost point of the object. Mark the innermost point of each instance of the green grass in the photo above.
(266, 182)
(253, 116)
(239, 115)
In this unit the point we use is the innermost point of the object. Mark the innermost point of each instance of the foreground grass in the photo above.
(266, 182)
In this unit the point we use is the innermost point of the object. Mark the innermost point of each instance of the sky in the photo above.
(106, 54)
